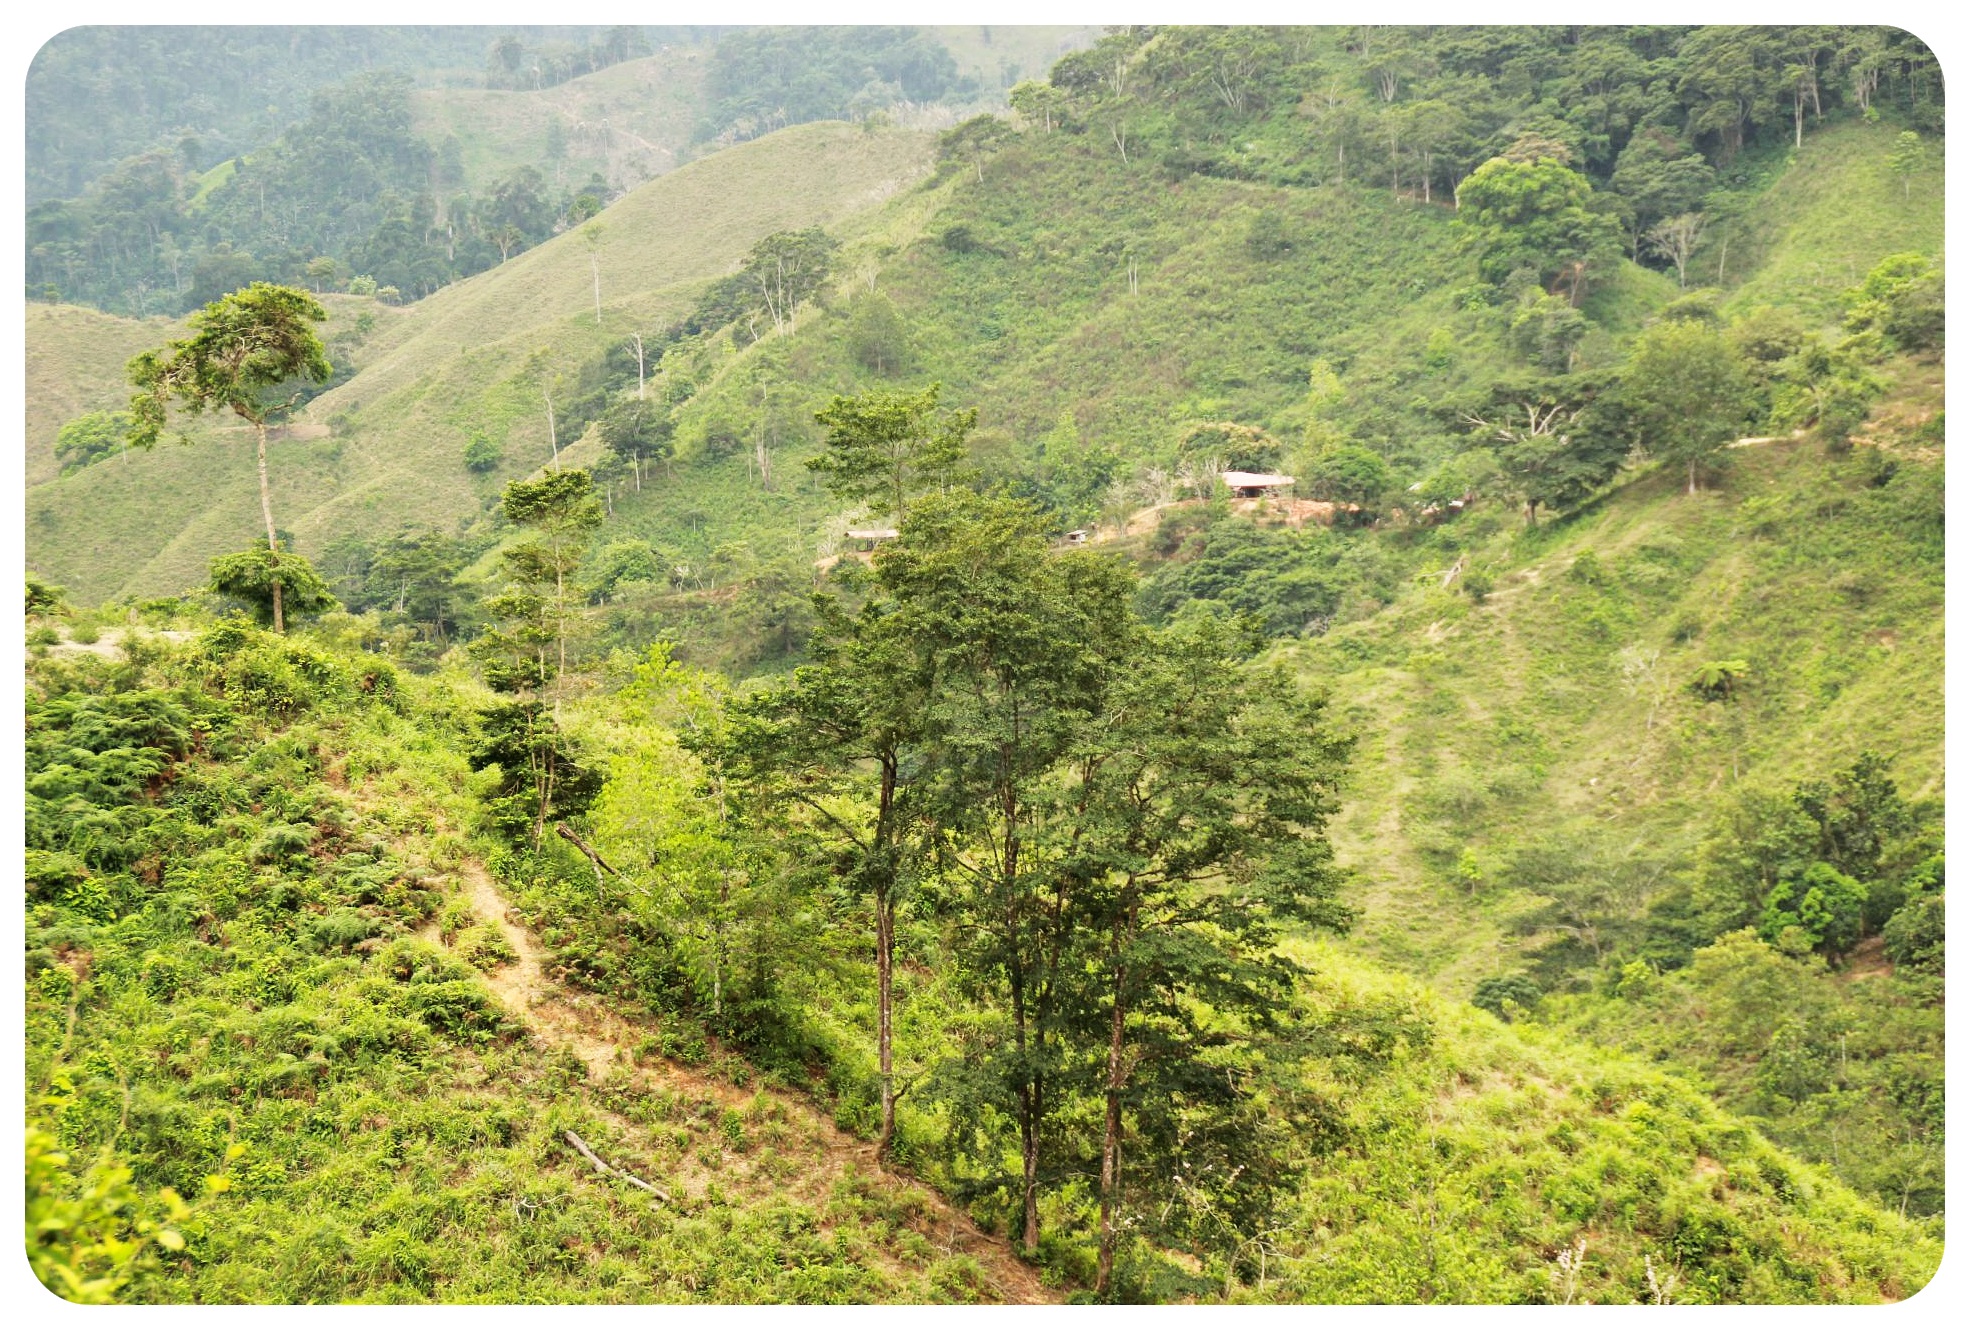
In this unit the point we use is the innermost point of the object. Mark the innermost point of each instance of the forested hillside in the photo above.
(814, 756)
(392, 161)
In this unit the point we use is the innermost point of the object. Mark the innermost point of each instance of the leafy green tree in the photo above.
(1901, 301)
(1495, 992)
(515, 214)
(44, 597)
(90, 438)
(1350, 474)
(1199, 799)
(1017, 642)
(884, 447)
(1913, 937)
(559, 512)
(1730, 77)
(252, 576)
(1038, 104)
(974, 140)
(416, 574)
(1824, 904)
(1534, 216)
(88, 1237)
(784, 270)
(541, 771)
(876, 335)
(1906, 157)
(245, 351)
(541, 774)
(1658, 176)
(781, 272)
(1860, 817)
(1233, 446)
(1547, 330)
(702, 863)
(1688, 390)
(842, 741)
(639, 430)
(482, 454)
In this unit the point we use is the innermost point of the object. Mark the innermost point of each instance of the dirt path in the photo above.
(800, 1155)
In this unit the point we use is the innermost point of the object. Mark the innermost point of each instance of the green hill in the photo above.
(75, 359)
(1643, 817)
(630, 123)
(385, 449)
(308, 1007)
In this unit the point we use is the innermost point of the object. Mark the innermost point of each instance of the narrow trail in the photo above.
(800, 1155)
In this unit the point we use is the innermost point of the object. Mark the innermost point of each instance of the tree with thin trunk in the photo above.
(1686, 388)
(1676, 238)
(250, 352)
(1200, 797)
(1905, 158)
(884, 447)
(1017, 641)
(841, 743)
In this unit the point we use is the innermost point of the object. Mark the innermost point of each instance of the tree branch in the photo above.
(611, 1171)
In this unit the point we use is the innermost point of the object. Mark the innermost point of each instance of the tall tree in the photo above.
(884, 447)
(541, 772)
(1688, 390)
(1534, 216)
(1675, 238)
(843, 740)
(1200, 796)
(559, 512)
(248, 353)
(1016, 642)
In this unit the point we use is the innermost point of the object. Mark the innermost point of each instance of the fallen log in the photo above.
(611, 1171)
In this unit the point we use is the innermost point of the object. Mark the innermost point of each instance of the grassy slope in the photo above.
(1488, 727)
(1471, 1159)
(1831, 211)
(999, 57)
(632, 122)
(456, 363)
(1485, 727)
(1041, 320)
(402, 1117)
(75, 359)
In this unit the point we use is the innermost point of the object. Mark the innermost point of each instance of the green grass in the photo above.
(1827, 214)
(75, 359)
(1488, 726)
(239, 985)
(999, 56)
(1473, 1158)
(229, 988)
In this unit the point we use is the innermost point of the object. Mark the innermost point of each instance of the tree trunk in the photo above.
(273, 541)
(1111, 1136)
(885, 954)
(1692, 475)
(1029, 1164)
(885, 902)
